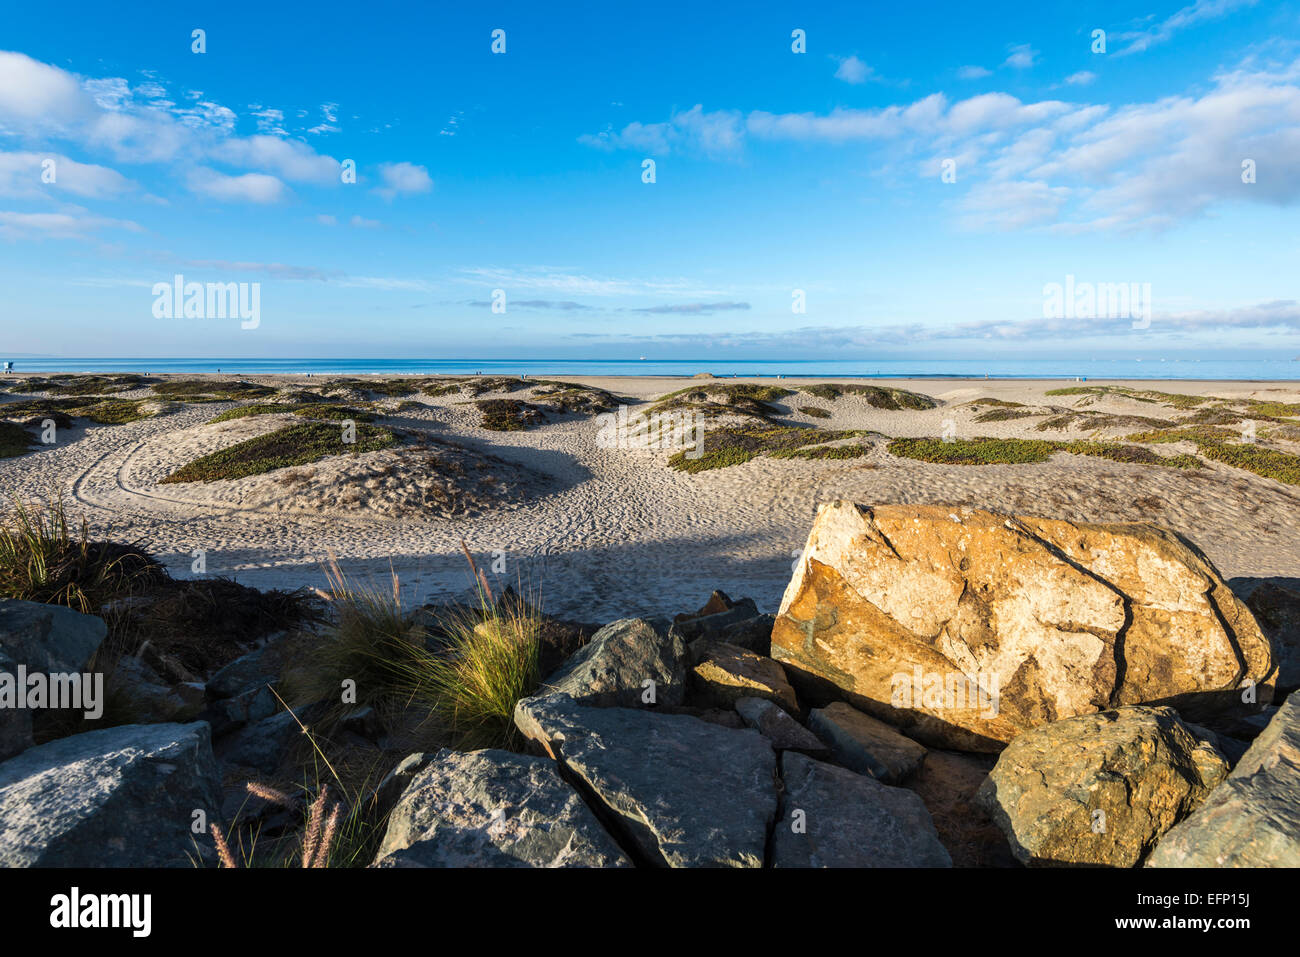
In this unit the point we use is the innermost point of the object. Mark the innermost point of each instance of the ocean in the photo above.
(1070, 368)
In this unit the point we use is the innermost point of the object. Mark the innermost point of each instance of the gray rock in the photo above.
(362, 721)
(15, 723)
(726, 673)
(1277, 609)
(1253, 818)
(153, 699)
(712, 626)
(119, 797)
(1099, 789)
(249, 672)
(46, 639)
(387, 793)
(775, 724)
(832, 817)
(247, 707)
(262, 746)
(753, 634)
(493, 809)
(684, 792)
(864, 744)
(612, 669)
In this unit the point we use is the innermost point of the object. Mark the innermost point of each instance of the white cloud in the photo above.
(139, 125)
(1198, 12)
(1059, 165)
(291, 159)
(269, 121)
(38, 95)
(248, 188)
(360, 222)
(403, 179)
(71, 223)
(1022, 57)
(973, 73)
(565, 281)
(326, 220)
(714, 134)
(1082, 78)
(852, 70)
(23, 174)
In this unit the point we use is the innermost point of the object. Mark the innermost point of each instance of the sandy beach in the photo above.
(604, 533)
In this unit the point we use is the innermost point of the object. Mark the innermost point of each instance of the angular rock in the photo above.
(775, 724)
(753, 634)
(253, 670)
(947, 782)
(246, 707)
(726, 717)
(364, 722)
(387, 793)
(1055, 619)
(726, 673)
(118, 797)
(15, 723)
(153, 700)
(832, 817)
(683, 792)
(718, 602)
(1277, 609)
(494, 809)
(739, 619)
(865, 745)
(613, 668)
(1253, 818)
(1099, 789)
(47, 639)
(262, 746)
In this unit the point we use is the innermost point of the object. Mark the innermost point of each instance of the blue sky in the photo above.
(775, 171)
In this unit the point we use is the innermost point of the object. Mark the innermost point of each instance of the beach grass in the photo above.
(508, 415)
(15, 440)
(44, 558)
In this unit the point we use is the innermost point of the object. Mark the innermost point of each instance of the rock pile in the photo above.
(940, 687)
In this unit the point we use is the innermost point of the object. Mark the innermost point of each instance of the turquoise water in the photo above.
(1267, 369)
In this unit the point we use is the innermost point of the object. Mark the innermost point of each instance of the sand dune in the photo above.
(604, 533)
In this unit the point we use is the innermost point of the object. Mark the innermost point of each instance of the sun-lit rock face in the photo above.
(968, 627)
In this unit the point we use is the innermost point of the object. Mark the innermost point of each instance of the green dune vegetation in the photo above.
(308, 410)
(993, 451)
(197, 390)
(734, 446)
(876, 396)
(102, 410)
(15, 440)
(72, 385)
(293, 445)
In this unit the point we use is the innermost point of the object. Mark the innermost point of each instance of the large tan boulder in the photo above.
(968, 627)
